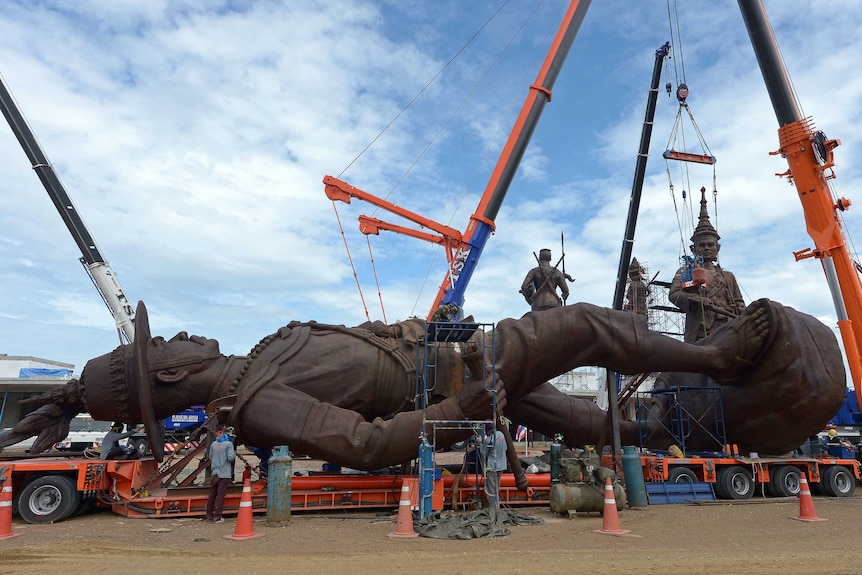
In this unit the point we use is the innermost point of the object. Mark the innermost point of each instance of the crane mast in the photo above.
(809, 155)
(94, 263)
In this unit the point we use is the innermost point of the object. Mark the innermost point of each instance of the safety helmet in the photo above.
(230, 432)
(832, 433)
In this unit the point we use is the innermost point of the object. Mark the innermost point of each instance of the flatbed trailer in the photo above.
(738, 477)
(55, 488)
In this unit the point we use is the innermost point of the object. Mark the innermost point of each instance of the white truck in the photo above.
(84, 432)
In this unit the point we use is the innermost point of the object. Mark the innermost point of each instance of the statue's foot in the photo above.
(741, 343)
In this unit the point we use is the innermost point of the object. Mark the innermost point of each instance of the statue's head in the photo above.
(544, 255)
(119, 385)
(704, 241)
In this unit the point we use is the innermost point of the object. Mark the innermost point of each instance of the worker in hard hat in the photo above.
(110, 446)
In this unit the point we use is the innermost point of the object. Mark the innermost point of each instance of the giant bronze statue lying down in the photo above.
(346, 395)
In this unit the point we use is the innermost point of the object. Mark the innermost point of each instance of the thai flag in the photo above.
(520, 433)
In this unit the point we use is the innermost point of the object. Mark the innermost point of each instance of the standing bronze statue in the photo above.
(347, 395)
(637, 291)
(539, 288)
(712, 299)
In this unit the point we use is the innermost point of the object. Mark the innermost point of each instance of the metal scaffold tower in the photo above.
(664, 317)
(449, 338)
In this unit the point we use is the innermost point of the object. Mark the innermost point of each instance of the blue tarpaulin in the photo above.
(44, 372)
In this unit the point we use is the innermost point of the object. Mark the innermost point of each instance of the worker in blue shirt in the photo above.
(494, 454)
(221, 455)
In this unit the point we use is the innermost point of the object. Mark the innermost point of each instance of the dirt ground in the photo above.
(757, 536)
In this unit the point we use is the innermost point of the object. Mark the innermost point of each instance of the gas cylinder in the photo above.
(633, 474)
(278, 486)
(582, 497)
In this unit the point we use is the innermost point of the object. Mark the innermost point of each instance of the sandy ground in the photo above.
(758, 536)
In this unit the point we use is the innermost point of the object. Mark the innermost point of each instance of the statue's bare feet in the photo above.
(740, 344)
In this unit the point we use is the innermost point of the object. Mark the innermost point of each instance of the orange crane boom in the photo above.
(809, 154)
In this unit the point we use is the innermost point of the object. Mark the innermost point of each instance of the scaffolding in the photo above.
(444, 339)
(664, 317)
(681, 412)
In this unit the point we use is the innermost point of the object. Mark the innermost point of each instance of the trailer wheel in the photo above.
(784, 481)
(837, 481)
(48, 499)
(86, 506)
(734, 483)
(681, 475)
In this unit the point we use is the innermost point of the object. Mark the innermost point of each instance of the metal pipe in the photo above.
(771, 65)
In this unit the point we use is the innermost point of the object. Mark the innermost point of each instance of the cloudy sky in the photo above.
(193, 137)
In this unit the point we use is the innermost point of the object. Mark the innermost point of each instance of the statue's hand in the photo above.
(477, 397)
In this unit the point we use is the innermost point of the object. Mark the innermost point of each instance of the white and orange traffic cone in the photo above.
(610, 520)
(6, 505)
(245, 518)
(404, 523)
(806, 503)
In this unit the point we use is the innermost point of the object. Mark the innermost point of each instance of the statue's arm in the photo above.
(561, 282)
(528, 290)
(739, 303)
(684, 300)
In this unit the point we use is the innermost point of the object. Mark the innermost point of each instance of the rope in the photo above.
(500, 124)
(675, 40)
(350, 258)
(376, 279)
(425, 87)
(678, 134)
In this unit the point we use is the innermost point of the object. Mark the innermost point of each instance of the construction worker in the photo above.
(110, 448)
(494, 460)
(221, 455)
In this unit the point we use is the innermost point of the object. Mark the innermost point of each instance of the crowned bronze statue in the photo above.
(638, 290)
(347, 394)
(714, 297)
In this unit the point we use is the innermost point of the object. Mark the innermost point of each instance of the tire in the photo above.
(86, 506)
(681, 475)
(734, 482)
(48, 499)
(784, 481)
(837, 481)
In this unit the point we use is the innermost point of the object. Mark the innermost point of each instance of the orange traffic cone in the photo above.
(610, 520)
(245, 518)
(404, 524)
(6, 505)
(806, 503)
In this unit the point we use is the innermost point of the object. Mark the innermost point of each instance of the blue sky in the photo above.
(193, 138)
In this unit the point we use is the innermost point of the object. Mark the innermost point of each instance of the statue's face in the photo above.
(707, 247)
(182, 350)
